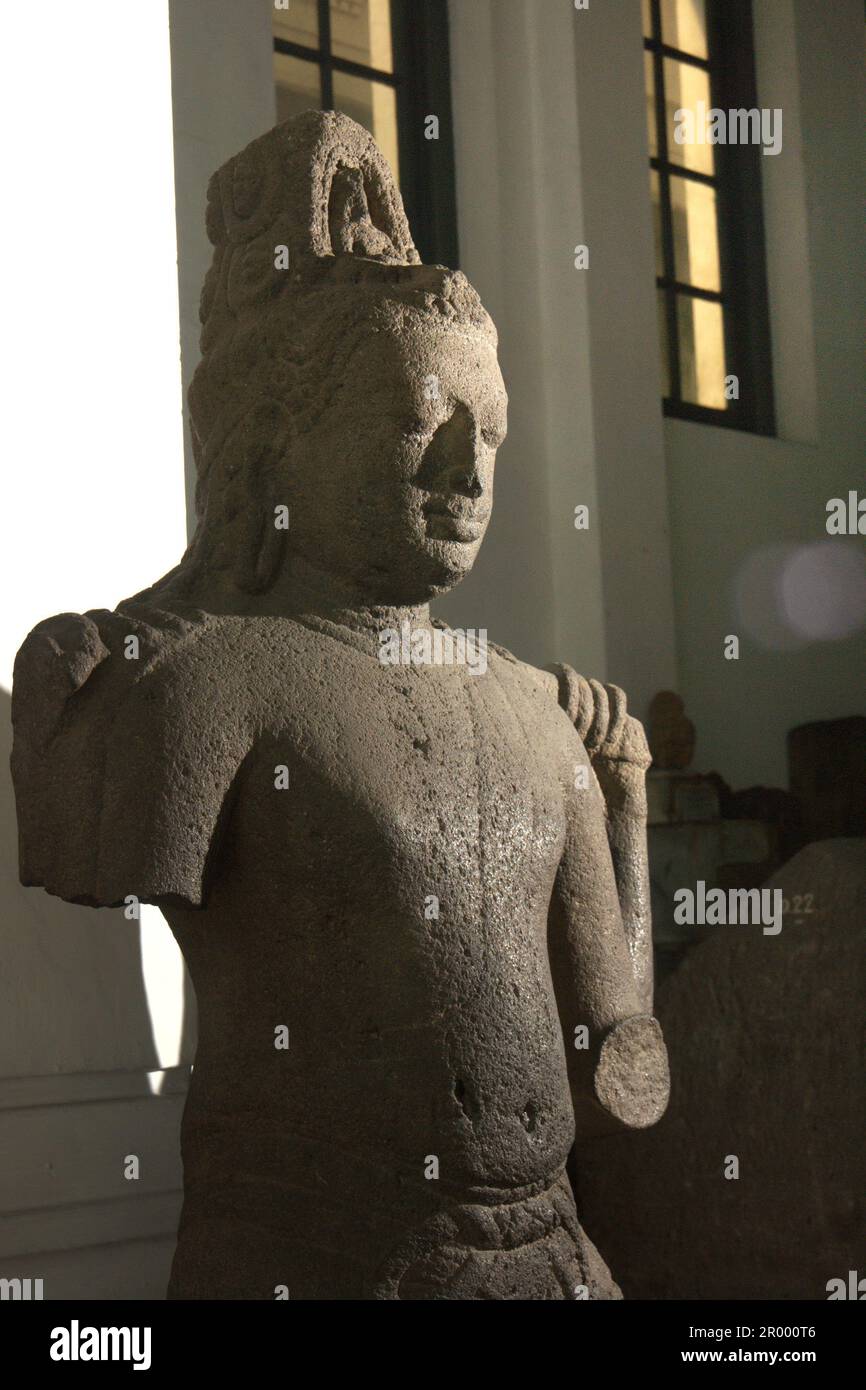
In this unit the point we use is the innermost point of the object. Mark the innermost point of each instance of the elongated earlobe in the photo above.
(262, 549)
(263, 529)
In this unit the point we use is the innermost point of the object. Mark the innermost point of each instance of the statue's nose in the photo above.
(455, 461)
(463, 471)
(465, 478)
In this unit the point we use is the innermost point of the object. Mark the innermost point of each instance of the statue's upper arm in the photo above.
(120, 777)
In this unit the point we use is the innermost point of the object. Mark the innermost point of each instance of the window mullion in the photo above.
(327, 70)
(667, 220)
(682, 171)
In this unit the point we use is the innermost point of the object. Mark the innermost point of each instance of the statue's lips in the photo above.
(456, 522)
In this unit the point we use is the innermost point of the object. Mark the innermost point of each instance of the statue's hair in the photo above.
(275, 341)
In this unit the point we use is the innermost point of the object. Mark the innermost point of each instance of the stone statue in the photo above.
(412, 896)
(671, 732)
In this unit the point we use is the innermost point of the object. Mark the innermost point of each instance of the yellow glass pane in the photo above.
(647, 14)
(298, 86)
(664, 350)
(298, 21)
(687, 90)
(696, 234)
(702, 351)
(684, 25)
(361, 31)
(650, 83)
(655, 196)
(374, 106)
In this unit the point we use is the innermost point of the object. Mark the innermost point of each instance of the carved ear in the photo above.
(263, 488)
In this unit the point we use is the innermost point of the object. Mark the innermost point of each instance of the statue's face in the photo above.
(397, 476)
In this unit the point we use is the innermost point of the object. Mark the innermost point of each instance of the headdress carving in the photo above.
(316, 184)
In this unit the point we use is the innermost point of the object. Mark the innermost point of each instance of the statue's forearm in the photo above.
(623, 784)
(621, 1078)
(620, 757)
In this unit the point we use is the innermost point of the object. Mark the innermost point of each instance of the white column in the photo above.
(551, 153)
(223, 93)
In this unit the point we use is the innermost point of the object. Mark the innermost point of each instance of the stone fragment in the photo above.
(767, 1036)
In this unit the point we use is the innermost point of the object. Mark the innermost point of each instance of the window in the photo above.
(385, 64)
(710, 266)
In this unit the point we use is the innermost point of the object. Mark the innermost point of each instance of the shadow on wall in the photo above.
(77, 1057)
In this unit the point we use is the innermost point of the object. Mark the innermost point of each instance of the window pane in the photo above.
(298, 21)
(298, 86)
(696, 237)
(646, 8)
(664, 348)
(650, 81)
(702, 351)
(373, 105)
(361, 30)
(685, 87)
(655, 195)
(684, 25)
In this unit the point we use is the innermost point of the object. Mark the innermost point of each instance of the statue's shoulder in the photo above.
(75, 665)
(598, 711)
(123, 753)
(529, 681)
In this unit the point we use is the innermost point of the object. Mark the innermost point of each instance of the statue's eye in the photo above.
(418, 430)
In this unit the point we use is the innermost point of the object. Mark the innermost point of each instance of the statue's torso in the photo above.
(389, 909)
(359, 860)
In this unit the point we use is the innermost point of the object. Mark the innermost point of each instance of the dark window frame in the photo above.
(737, 182)
(422, 82)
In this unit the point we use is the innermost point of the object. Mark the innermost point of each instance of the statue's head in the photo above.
(340, 379)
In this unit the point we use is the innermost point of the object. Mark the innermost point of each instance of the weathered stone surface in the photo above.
(412, 896)
(767, 1037)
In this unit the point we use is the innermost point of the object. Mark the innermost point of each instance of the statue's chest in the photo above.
(419, 771)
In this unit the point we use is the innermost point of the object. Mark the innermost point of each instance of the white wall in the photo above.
(94, 510)
(695, 527)
(550, 144)
(751, 554)
(223, 95)
(93, 1030)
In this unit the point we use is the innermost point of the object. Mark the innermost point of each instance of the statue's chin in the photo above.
(424, 570)
(447, 562)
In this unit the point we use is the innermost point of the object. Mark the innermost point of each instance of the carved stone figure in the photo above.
(412, 896)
